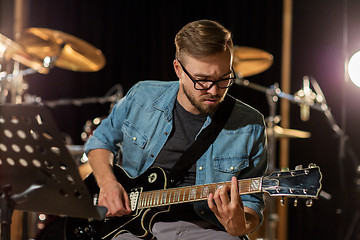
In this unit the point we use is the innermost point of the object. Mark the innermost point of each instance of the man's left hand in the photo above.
(230, 210)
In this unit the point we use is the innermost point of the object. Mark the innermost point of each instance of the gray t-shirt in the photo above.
(185, 128)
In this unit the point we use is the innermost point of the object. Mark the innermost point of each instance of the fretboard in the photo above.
(179, 195)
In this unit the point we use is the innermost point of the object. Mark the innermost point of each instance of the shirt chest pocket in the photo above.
(132, 135)
(231, 165)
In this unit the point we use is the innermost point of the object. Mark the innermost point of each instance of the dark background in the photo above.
(136, 38)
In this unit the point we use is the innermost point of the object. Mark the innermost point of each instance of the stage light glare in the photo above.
(354, 68)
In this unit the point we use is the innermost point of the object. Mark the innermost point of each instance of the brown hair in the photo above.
(202, 38)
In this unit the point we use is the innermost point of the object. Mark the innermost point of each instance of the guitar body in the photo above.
(139, 222)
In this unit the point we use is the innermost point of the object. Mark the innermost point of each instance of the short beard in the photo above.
(198, 106)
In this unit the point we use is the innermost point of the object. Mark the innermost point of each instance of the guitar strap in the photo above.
(203, 141)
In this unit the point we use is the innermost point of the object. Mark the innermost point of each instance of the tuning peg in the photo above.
(285, 169)
(299, 167)
(282, 201)
(312, 165)
(295, 202)
(309, 202)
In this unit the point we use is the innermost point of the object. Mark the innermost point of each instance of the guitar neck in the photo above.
(179, 195)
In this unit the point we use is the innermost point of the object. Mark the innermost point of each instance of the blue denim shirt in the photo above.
(141, 122)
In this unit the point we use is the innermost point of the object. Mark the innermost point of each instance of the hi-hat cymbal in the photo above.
(65, 50)
(249, 61)
(11, 50)
(280, 132)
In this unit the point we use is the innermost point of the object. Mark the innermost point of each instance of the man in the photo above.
(157, 121)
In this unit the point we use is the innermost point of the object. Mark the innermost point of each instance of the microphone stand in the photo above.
(272, 95)
(272, 99)
(344, 149)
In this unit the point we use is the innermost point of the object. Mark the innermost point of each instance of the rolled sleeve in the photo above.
(256, 203)
(95, 143)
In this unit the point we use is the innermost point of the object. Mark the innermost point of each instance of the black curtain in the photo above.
(136, 38)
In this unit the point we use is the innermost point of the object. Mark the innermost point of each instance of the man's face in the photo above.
(214, 67)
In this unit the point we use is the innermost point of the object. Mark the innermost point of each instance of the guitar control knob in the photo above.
(299, 167)
(312, 165)
(309, 202)
(295, 202)
(282, 201)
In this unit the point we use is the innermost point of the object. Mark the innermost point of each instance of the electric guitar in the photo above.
(149, 196)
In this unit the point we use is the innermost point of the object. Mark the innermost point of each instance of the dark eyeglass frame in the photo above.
(232, 79)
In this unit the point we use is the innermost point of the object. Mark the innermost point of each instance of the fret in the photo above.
(184, 194)
(180, 190)
(148, 200)
(160, 197)
(169, 196)
(152, 199)
(177, 194)
(145, 199)
(163, 199)
(141, 201)
(174, 195)
(157, 197)
(205, 191)
(192, 194)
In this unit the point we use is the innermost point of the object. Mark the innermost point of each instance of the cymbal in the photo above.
(250, 61)
(65, 50)
(11, 50)
(280, 132)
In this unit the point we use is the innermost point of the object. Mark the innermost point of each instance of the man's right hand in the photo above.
(114, 197)
(112, 194)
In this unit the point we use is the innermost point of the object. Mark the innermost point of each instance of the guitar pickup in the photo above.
(134, 198)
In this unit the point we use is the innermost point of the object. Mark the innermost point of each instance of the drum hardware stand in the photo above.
(79, 101)
(37, 171)
(113, 95)
(13, 82)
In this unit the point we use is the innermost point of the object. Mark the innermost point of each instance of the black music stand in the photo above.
(37, 172)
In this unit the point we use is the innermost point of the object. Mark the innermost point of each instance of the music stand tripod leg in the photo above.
(7, 208)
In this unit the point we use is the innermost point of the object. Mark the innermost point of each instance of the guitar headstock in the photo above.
(298, 183)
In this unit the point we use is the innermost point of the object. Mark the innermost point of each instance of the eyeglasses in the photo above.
(207, 84)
